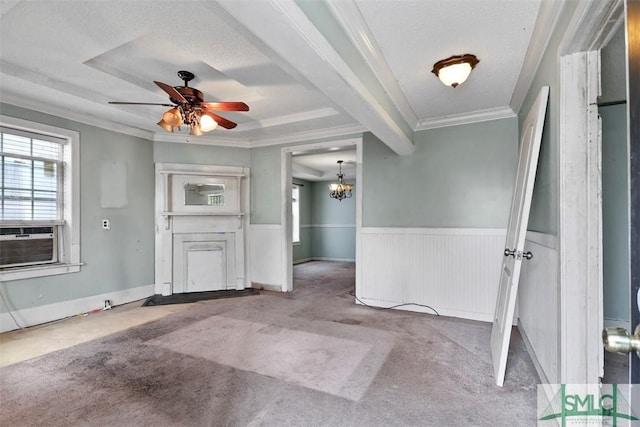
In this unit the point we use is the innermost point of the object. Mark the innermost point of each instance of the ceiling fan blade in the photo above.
(173, 94)
(225, 106)
(227, 124)
(140, 103)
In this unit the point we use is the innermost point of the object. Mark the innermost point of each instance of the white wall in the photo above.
(453, 270)
(538, 303)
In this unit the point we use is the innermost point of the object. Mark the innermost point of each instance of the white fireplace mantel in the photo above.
(200, 246)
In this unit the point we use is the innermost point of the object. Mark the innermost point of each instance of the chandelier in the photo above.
(340, 190)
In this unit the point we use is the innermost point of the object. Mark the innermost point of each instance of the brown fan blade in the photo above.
(173, 94)
(225, 106)
(140, 103)
(227, 124)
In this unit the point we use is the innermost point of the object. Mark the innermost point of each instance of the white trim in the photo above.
(69, 239)
(275, 22)
(592, 26)
(579, 220)
(317, 258)
(436, 231)
(328, 226)
(481, 317)
(211, 139)
(285, 194)
(536, 363)
(48, 313)
(302, 260)
(350, 19)
(289, 118)
(546, 22)
(298, 137)
(66, 113)
(466, 118)
(39, 271)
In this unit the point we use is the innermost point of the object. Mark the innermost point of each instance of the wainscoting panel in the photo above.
(267, 258)
(455, 271)
(538, 301)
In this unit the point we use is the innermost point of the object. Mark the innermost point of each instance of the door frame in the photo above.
(579, 221)
(286, 199)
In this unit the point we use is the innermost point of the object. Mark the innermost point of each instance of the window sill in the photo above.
(38, 271)
(297, 243)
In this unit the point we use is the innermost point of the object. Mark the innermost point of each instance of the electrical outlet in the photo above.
(106, 224)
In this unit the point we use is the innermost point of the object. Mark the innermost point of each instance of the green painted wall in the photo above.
(460, 176)
(615, 181)
(327, 225)
(170, 152)
(333, 233)
(265, 185)
(544, 206)
(615, 212)
(118, 259)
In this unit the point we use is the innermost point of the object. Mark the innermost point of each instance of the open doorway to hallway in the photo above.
(323, 225)
(319, 226)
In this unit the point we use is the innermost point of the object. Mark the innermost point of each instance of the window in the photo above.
(30, 188)
(39, 200)
(295, 213)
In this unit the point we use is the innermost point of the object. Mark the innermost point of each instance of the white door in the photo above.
(516, 232)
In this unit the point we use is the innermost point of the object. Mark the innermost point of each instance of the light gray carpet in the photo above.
(308, 358)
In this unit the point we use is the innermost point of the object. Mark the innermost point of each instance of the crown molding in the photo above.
(77, 117)
(466, 118)
(591, 26)
(546, 22)
(283, 27)
(208, 139)
(288, 119)
(340, 131)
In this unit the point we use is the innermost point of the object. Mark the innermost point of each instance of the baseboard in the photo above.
(333, 259)
(51, 312)
(481, 317)
(302, 260)
(617, 323)
(542, 376)
(273, 288)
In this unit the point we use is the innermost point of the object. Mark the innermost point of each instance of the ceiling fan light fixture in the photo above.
(195, 130)
(207, 122)
(166, 126)
(173, 117)
(456, 69)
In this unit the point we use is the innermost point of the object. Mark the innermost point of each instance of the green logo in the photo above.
(580, 404)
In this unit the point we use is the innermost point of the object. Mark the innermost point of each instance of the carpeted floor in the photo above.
(308, 358)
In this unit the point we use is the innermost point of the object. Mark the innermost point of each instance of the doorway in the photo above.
(328, 229)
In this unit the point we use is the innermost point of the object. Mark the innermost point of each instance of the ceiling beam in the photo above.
(287, 31)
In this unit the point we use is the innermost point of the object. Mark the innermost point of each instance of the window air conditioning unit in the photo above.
(22, 246)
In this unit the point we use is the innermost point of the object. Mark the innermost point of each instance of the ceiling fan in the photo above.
(189, 108)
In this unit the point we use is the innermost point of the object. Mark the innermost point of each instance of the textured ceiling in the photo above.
(307, 69)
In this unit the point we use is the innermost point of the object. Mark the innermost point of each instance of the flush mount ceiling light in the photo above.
(340, 190)
(455, 69)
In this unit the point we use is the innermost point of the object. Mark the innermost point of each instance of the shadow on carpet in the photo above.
(197, 296)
